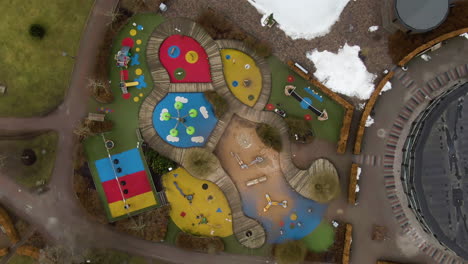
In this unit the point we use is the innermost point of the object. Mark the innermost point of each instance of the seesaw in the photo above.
(290, 90)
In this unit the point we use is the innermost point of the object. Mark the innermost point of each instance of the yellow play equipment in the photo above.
(130, 84)
(284, 204)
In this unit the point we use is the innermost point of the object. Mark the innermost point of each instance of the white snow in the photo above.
(204, 112)
(162, 112)
(358, 175)
(198, 139)
(426, 57)
(361, 106)
(302, 19)
(181, 99)
(343, 72)
(172, 139)
(386, 87)
(373, 28)
(464, 35)
(369, 121)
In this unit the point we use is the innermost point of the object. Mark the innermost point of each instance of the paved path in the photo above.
(57, 213)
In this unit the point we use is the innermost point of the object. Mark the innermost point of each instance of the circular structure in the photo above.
(28, 157)
(179, 74)
(235, 83)
(191, 57)
(184, 119)
(137, 49)
(421, 15)
(109, 144)
(133, 32)
(173, 51)
(434, 169)
(138, 42)
(136, 99)
(204, 186)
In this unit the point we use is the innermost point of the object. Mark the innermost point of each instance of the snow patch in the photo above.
(358, 175)
(464, 35)
(386, 87)
(204, 112)
(294, 17)
(181, 99)
(162, 112)
(343, 72)
(369, 121)
(373, 28)
(198, 139)
(361, 106)
(172, 139)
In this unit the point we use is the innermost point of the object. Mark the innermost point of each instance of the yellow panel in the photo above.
(219, 223)
(136, 203)
(238, 66)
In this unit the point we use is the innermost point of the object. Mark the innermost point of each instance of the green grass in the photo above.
(18, 259)
(321, 239)
(328, 130)
(35, 72)
(125, 115)
(44, 145)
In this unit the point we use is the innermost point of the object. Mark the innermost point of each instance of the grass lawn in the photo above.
(35, 72)
(125, 112)
(44, 146)
(321, 239)
(18, 259)
(329, 129)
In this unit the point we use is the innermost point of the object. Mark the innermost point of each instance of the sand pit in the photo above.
(241, 145)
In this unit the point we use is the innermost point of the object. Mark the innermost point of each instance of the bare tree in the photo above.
(82, 131)
(113, 15)
(100, 90)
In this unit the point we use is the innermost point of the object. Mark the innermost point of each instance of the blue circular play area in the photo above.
(184, 120)
(173, 51)
(235, 83)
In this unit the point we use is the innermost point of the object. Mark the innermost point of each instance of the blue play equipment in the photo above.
(134, 60)
(141, 82)
(173, 51)
(314, 94)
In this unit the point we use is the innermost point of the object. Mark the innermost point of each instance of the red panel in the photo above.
(198, 72)
(135, 184)
(127, 42)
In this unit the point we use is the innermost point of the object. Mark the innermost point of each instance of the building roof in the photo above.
(421, 15)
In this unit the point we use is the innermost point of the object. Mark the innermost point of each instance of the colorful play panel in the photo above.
(242, 76)
(184, 119)
(125, 183)
(185, 60)
(197, 206)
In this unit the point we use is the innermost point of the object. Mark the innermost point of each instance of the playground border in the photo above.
(353, 181)
(367, 110)
(347, 244)
(7, 224)
(431, 43)
(349, 108)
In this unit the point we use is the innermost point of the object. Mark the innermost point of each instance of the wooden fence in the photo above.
(347, 244)
(349, 108)
(352, 197)
(367, 110)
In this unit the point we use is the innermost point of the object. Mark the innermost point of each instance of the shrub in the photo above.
(321, 239)
(270, 136)
(219, 27)
(401, 44)
(151, 225)
(299, 127)
(202, 244)
(200, 162)
(291, 252)
(37, 31)
(219, 104)
(158, 164)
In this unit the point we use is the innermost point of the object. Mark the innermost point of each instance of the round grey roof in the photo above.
(422, 15)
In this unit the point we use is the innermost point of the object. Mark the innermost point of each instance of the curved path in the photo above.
(57, 214)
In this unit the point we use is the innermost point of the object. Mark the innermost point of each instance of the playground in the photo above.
(265, 194)
(125, 183)
(242, 76)
(197, 206)
(185, 60)
(184, 119)
(308, 96)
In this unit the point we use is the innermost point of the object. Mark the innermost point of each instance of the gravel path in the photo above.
(351, 28)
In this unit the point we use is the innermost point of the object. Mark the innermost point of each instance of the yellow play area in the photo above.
(197, 206)
(242, 76)
(136, 203)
